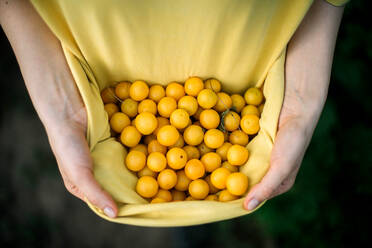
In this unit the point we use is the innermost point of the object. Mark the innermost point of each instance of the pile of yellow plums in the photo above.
(185, 141)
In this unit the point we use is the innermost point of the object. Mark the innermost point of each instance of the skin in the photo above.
(59, 105)
(56, 99)
(307, 74)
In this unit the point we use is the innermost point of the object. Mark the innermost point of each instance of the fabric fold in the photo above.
(241, 43)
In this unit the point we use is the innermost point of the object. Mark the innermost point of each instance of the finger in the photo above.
(286, 185)
(286, 155)
(265, 189)
(75, 164)
(73, 189)
(109, 209)
(88, 187)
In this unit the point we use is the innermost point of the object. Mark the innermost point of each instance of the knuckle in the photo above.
(73, 189)
(285, 189)
(288, 185)
(80, 185)
(266, 191)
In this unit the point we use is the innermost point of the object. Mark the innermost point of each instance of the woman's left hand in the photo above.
(307, 72)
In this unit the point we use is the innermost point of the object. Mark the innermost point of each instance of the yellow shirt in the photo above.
(240, 42)
(164, 40)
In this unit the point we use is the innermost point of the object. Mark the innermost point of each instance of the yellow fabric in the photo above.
(242, 43)
(338, 2)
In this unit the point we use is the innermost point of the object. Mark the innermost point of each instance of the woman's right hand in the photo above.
(56, 99)
(72, 153)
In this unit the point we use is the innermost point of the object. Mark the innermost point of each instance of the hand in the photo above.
(307, 73)
(56, 99)
(293, 136)
(71, 150)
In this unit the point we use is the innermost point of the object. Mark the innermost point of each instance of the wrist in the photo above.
(59, 105)
(302, 107)
(59, 130)
(308, 120)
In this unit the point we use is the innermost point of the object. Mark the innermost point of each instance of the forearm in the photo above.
(307, 73)
(309, 60)
(44, 68)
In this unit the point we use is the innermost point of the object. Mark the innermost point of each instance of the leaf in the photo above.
(222, 118)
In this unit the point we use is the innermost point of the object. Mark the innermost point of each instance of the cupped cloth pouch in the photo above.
(162, 41)
(109, 156)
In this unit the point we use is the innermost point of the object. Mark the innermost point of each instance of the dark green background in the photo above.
(327, 207)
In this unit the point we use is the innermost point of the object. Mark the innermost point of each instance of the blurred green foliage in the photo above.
(329, 203)
(327, 207)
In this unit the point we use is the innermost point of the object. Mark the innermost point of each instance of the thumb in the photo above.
(93, 192)
(286, 156)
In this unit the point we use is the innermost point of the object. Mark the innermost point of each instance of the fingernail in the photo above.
(253, 204)
(109, 212)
